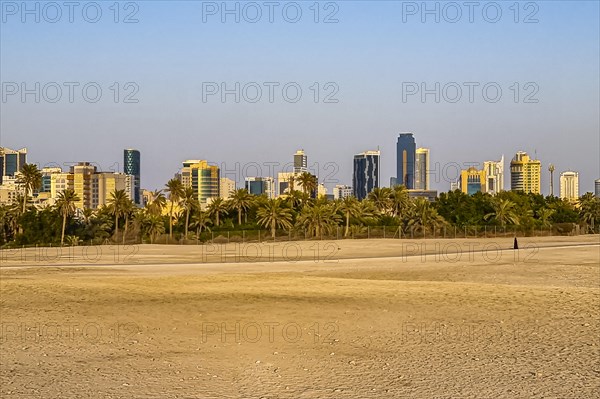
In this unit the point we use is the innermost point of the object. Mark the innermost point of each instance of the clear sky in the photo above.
(373, 57)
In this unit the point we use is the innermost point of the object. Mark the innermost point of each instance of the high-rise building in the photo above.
(227, 187)
(366, 173)
(494, 172)
(260, 186)
(472, 180)
(597, 188)
(525, 174)
(342, 191)
(47, 173)
(422, 169)
(132, 166)
(405, 160)
(203, 178)
(11, 161)
(569, 185)
(106, 183)
(81, 182)
(300, 162)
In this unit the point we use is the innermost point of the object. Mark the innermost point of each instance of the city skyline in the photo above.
(438, 177)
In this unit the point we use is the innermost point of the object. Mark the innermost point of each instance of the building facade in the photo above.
(405, 160)
(597, 188)
(366, 174)
(341, 191)
(261, 186)
(569, 186)
(300, 162)
(525, 174)
(494, 172)
(472, 180)
(203, 178)
(11, 161)
(422, 169)
(227, 187)
(132, 166)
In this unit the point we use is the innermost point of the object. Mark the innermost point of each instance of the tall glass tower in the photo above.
(131, 162)
(405, 160)
(366, 173)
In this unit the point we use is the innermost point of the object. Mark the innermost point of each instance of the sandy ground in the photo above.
(331, 319)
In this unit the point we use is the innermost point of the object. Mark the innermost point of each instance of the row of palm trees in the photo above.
(177, 205)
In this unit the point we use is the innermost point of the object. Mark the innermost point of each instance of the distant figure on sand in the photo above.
(515, 244)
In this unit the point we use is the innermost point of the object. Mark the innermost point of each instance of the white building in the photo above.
(226, 188)
(494, 172)
(342, 191)
(569, 185)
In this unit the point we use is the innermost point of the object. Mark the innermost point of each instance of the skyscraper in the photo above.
(597, 188)
(11, 161)
(300, 162)
(422, 169)
(132, 166)
(569, 185)
(405, 160)
(203, 178)
(366, 173)
(525, 173)
(494, 171)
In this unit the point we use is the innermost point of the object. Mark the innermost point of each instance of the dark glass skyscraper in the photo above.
(366, 174)
(405, 160)
(11, 161)
(132, 166)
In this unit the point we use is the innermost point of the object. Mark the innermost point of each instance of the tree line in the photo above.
(174, 213)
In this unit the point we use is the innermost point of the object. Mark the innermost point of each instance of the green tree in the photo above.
(218, 207)
(120, 205)
(241, 200)
(318, 219)
(65, 204)
(273, 214)
(308, 182)
(200, 221)
(504, 212)
(30, 178)
(189, 202)
(175, 190)
(350, 207)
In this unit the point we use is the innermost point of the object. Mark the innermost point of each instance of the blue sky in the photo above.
(369, 56)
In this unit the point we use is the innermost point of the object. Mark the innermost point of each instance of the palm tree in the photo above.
(119, 205)
(544, 216)
(380, 196)
(200, 221)
(218, 207)
(399, 200)
(308, 182)
(425, 216)
(318, 219)
(175, 190)
(157, 203)
(66, 206)
(504, 212)
(589, 210)
(272, 214)
(241, 200)
(153, 225)
(189, 202)
(30, 179)
(349, 206)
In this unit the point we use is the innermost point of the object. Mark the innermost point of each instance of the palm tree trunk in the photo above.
(347, 224)
(240, 216)
(187, 219)
(25, 200)
(116, 225)
(62, 236)
(273, 229)
(125, 228)
(171, 221)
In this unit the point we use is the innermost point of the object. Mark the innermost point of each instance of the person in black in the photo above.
(515, 244)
